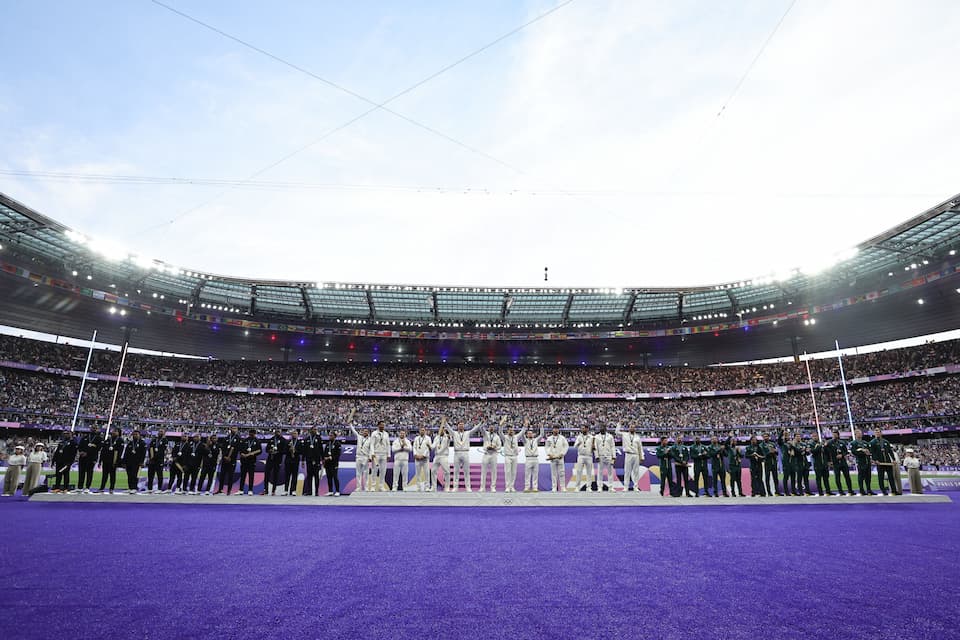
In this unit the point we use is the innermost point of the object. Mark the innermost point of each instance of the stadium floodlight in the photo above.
(74, 272)
(920, 301)
(89, 277)
(112, 310)
(123, 312)
(953, 252)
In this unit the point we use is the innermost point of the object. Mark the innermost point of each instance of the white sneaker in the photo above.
(469, 490)
(249, 493)
(337, 493)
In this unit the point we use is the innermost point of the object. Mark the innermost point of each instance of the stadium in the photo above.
(189, 453)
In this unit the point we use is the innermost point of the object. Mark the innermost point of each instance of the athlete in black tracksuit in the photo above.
(291, 462)
(271, 472)
(209, 452)
(88, 450)
(229, 448)
(110, 458)
(331, 464)
(133, 454)
(250, 450)
(158, 454)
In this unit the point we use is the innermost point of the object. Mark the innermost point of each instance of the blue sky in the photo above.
(620, 173)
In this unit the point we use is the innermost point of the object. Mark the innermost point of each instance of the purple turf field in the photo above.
(164, 571)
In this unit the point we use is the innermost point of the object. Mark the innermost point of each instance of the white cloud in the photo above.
(844, 128)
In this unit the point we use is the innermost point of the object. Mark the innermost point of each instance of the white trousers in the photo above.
(631, 471)
(438, 464)
(488, 467)
(510, 472)
(530, 469)
(461, 460)
(380, 473)
(363, 473)
(606, 464)
(422, 475)
(400, 472)
(558, 475)
(583, 472)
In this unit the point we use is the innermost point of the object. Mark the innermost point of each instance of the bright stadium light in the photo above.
(112, 310)
(920, 301)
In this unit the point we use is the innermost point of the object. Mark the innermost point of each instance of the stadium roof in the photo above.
(931, 238)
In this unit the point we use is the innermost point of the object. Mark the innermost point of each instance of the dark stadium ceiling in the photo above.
(929, 238)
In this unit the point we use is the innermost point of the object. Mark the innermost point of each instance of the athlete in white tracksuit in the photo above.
(441, 455)
(461, 456)
(511, 451)
(491, 455)
(421, 459)
(363, 460)
(606, 447)
(557, 446)
(401, 457)
(583, 469)
(531, 453)
(380, 451)
(632, 450)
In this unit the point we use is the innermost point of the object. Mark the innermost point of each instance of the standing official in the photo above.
(461, 456)
(606, 447)
(861, 452)
(379, 453)
(801, 464)
(837, 451)
(250, 450)
(311, 448)
(401, 459)
(157, 451)
(531, 458)
(421, 460)
(583, 469)
(331, 463)
(557, 446)
(491, 453)
(63, 459)
(110, 459)
(133, 454)
(209, 452)
(912, 464)
(271, 472)
(291, 463)
(88, 449)
(632, 452)
(511, 453)
(441, 455)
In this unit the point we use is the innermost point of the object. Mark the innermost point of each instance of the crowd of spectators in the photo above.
(35, 398)
(475, 378)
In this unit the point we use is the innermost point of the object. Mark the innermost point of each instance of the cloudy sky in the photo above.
(588, 142)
